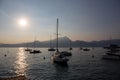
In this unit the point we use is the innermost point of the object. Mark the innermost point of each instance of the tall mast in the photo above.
(57, 35)
(50, 42)
(34, 42)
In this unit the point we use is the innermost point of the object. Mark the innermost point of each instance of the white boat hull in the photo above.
(58, 58)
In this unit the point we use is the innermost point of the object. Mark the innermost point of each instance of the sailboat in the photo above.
(70, 46)
(34, 51)
(113, 52)
(58, 57)
(28, 49)
(67, 53)
(51, 49)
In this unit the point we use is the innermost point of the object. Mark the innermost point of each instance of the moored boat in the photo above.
(113, 52)
(28, 49)
(51, 48)
(86, 49)
(58, 57)
(35, 51)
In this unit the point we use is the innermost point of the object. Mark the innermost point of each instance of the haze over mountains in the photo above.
(65, 42)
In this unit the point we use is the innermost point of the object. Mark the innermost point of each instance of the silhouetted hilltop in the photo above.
(65, 42)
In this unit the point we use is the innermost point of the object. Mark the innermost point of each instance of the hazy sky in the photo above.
(78, 19)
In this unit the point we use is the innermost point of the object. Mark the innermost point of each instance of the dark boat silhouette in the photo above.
(28, 49)
(86, 49)
(70, 46)
(113, 52)
(67, 53)
(51, 48)
(34, 51)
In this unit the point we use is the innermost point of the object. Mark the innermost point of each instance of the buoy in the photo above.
(44, 57)
(92, 56)
(5, 55)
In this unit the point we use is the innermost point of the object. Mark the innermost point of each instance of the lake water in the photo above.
(80, 67)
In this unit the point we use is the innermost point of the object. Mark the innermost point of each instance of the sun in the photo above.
(23, 22)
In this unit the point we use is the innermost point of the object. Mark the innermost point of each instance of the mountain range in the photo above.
(65, 42)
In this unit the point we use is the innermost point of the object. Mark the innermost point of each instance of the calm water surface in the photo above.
(80, 67)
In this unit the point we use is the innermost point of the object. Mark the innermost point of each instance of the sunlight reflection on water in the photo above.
(81, 65)
(20, 63)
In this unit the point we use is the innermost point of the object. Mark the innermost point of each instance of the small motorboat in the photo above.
(86, 49)
(51, 49)
(113, 52)
(35, 51)
(28, 49)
